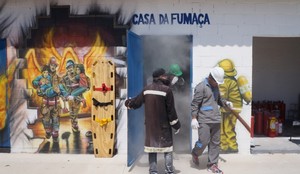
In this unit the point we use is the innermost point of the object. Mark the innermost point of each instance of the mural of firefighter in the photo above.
(48, 81)
(49, 89)
(233, 90)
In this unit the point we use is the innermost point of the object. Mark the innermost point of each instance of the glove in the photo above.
(127, 103)
(177, 131)
(195, 124)
(70, 97)
(174, 80)
(229, 104)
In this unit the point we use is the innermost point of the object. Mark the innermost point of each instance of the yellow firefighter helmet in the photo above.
(228, 67)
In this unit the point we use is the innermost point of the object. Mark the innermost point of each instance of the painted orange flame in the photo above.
(7, 94)
(3, 102)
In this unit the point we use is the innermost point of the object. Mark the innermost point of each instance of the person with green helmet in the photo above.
(175, 77)
(175, 69)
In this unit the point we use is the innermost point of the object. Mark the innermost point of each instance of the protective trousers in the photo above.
(168, 163)
(50, 119)
(228, 134)
(209, 135)
(74, 106)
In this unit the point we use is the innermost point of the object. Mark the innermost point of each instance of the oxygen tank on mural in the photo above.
(244, 88)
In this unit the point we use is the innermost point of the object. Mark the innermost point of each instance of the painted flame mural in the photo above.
(81, 39)
(36, 61)
(2, 102)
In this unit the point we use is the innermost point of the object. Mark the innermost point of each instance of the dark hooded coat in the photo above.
(160, 116)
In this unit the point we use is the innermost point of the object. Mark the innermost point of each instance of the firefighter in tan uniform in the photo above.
(229, 91)
(50, 108)
(71, 84)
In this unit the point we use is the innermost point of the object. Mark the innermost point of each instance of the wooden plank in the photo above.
(103, 110)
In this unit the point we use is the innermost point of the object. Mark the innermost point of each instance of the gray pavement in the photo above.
(81, 164)
(276, 145)
(284, 158)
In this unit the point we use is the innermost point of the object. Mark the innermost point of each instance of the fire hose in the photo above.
(244, 123)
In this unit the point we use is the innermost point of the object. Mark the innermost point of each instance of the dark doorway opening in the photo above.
(163, 52)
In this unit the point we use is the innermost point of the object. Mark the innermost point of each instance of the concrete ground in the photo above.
(282, 159)
(81, 164)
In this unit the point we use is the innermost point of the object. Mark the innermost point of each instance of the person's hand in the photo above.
(127, 103)
(195, 123)
(174, 80)
(177, 131)
(229, 104)
(70, 97)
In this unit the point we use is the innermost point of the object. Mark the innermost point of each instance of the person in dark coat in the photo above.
(160, 118)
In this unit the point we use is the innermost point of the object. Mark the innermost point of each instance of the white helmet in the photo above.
(218, 74)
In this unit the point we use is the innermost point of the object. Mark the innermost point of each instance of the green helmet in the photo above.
(175, 70)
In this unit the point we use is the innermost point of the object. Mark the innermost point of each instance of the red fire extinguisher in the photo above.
(252, 126)
(266, 124)
(272, 126)
(259, 123)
